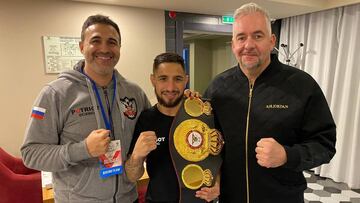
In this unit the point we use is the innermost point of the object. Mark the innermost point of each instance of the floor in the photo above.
(324, 190)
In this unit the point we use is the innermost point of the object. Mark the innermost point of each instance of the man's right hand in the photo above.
(134, 166)
(97, 142)
(191, 94)
(144, 145)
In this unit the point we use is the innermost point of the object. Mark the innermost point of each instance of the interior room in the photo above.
(318, 37)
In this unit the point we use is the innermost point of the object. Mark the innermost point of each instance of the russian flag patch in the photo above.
(38, 113)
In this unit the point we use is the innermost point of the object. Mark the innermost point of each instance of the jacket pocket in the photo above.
(89, 185)
(289, 179)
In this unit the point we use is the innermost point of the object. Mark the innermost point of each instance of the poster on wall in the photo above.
(61, 53)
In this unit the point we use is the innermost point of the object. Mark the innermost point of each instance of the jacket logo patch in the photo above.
(277, 106)
(38, 112)
(82, 111)
(130, 107)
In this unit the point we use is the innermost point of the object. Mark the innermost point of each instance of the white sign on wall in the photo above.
(61, 53)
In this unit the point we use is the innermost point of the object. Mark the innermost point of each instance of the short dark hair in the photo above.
(99, 19)
(168, 58)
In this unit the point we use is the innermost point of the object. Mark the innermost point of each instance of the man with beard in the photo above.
(151, 136)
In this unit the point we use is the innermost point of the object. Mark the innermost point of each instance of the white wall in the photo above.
(24, 22)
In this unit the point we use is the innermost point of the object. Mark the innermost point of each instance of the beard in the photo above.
(250, 65)
(169, 104)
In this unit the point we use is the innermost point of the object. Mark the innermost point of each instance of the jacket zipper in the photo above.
(246, 143)
(109, 113)
(112, 135)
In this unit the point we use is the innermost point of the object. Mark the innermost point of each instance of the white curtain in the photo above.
(331, 54)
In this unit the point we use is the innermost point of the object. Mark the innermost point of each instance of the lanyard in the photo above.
(108, 122)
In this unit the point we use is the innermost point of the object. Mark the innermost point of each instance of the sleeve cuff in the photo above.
(293, 158)
(78, 152)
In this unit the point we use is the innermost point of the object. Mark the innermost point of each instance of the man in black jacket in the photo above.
(274, 118)
(150, 141)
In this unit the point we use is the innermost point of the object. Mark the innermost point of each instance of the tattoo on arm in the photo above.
(134, 169)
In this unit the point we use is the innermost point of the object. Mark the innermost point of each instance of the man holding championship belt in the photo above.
(151, 135)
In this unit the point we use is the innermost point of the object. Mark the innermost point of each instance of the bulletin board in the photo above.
(61, 53)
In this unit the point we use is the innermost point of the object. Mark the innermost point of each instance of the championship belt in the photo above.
(195, 147)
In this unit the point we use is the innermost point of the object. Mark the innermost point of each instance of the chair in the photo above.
(18, 183)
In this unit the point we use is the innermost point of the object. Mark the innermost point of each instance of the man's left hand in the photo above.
(270, 153)
(208, 193)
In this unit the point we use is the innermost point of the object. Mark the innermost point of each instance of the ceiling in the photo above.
(277, 8)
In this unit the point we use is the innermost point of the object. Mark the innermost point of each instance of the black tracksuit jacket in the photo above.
(285, 103)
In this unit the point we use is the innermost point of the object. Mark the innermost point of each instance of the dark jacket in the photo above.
(286, 104)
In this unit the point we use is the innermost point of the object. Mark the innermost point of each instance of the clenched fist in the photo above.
(97, 142)
(270, 153)
(145, 143)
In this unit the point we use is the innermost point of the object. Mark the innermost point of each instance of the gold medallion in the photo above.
(194, 140)
(191, 140)
(193, 176)
(193, 107)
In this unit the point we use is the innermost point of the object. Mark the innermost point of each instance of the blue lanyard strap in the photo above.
(108, 122)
